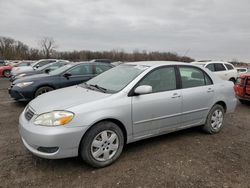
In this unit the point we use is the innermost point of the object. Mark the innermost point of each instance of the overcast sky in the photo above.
(202, 29)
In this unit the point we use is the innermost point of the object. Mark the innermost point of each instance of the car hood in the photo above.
(32, 78)
(62, 99)
(19, 70)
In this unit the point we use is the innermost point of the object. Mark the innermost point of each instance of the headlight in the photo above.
(21, 75)
(24, 84)
(54, 118)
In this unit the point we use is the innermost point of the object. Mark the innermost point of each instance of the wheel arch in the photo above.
(43, 85)
(223, 104)
(113, 120)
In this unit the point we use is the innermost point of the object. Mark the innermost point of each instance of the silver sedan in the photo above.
(125, 104)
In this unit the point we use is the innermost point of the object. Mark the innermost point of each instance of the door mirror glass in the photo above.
(144, 89)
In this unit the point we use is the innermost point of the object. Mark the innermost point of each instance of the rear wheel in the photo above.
(6, 73)
(215, 120)
(232, 80)
(102, 144)
(43, 90)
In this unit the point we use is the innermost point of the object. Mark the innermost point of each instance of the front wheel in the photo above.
(215, 120)
(43, 90)
(102, 144)
(232, 80)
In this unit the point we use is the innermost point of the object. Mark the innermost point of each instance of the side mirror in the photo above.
(47, 70)
(67, 75)
(144, 89)
(36, 67)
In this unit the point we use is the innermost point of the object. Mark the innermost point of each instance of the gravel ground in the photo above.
(186, 158)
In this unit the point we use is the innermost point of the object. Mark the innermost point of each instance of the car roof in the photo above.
(207, 62)
(87, 62)
(156, 63)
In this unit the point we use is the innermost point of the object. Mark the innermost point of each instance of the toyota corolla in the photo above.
(125, 104)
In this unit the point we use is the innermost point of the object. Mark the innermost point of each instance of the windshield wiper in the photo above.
(102, 89)
(92, 86)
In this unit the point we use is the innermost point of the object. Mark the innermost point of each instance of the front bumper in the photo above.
(21, 94)
(66, 139)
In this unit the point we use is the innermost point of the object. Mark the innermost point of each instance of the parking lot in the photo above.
(188, 158)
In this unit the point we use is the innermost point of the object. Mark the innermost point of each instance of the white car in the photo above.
(241, 70)
(224, 70)
(40, 63)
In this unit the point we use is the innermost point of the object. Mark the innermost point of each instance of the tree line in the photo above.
(12, 49)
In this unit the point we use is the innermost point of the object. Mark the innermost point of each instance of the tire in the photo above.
(6, 73)
(215, 120)
(42, 90)
(232, 80)
(95, 148)
(242, 101)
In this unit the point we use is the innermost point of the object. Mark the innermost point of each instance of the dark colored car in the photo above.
(242, 88)
(25, 89)
(44, 69)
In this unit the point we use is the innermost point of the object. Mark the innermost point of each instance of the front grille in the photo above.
(28, 113)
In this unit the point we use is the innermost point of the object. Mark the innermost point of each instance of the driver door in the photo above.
(78, 74)
(160, 110)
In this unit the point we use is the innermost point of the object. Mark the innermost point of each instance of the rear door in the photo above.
(78, 74)
(221, 71)
(197, 95)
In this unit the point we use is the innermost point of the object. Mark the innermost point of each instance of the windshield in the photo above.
(60, 70)
(117, 78)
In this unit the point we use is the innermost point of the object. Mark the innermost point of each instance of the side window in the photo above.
(193, 77)
(81, 70)
(229, 67)
(101, 68)
(219, 67)
(162, 79)
(211, 67)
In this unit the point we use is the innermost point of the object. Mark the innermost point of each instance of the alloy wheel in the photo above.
(217, 119)
(105, 145)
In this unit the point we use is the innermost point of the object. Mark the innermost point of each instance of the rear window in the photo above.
(229, 67)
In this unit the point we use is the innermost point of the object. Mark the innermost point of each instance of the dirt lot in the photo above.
(187, 158)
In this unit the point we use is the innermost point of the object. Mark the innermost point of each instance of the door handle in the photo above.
(210, 90)
(176, 95)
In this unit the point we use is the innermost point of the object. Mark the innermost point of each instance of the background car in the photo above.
(37, 64)
(22, 63)
(5, 69)
(241, 70)
(101, 60)
(44, 69)
(242, 88)
(125, 104)
(224, 70)
(30, 87)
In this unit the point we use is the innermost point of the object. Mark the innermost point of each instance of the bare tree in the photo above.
(48, 45)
